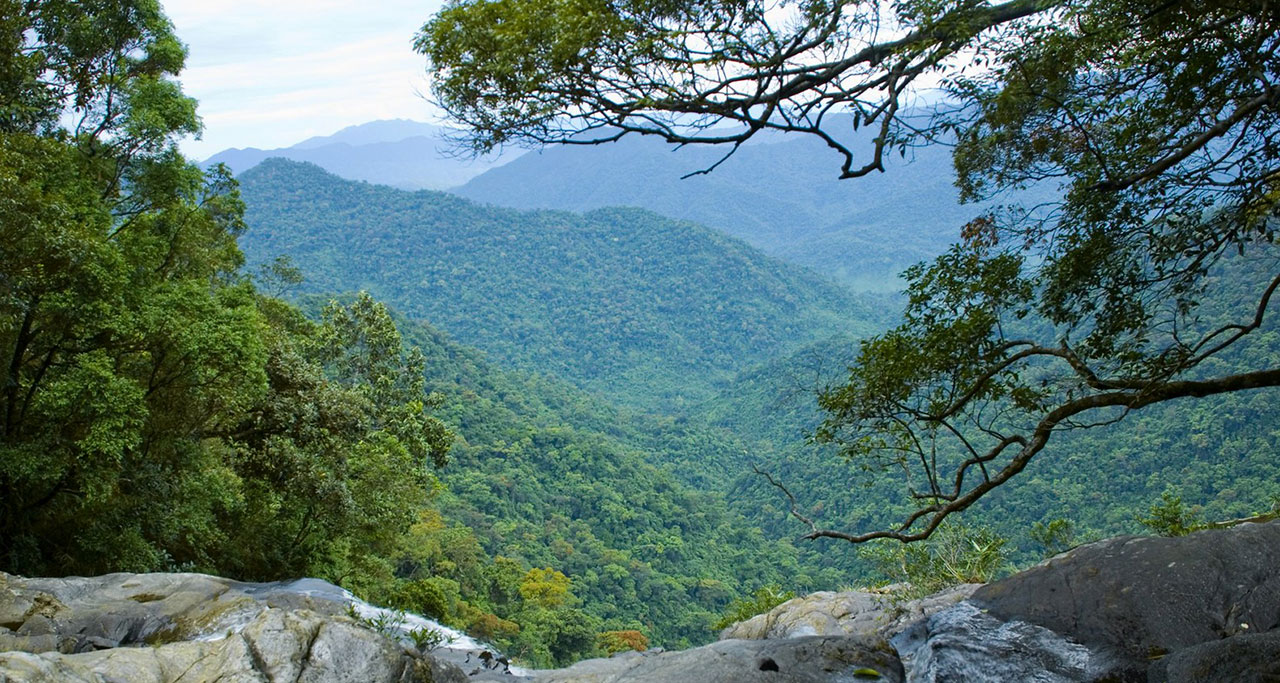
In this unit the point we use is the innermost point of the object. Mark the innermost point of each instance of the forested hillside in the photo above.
(770, 194)
(647, 310)
(534, 479)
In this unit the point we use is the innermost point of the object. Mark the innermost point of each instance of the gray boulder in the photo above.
(1135, 600)
(879, 613)
(1246, 658)
(811, 659)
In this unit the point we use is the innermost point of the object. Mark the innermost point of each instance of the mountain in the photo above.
(373, 132)
(400, 153)
(651, 311)
(783, 197)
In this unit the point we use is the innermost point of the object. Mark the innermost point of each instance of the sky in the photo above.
(271, 74)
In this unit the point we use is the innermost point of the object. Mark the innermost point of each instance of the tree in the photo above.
(124, 330)
(1146, 280)
(156, 410)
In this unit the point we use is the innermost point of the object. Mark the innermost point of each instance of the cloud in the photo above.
(271, 74)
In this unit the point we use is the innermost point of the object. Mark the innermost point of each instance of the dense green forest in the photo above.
(643, 309)
(1216, 454)
(546, 475)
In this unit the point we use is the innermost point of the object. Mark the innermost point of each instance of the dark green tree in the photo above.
(125, 333)
(1155, 120)
(157, 411)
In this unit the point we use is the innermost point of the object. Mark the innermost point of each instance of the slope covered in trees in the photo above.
(548, 478)
(1156, 121)
(624, 302)
(1215, 454)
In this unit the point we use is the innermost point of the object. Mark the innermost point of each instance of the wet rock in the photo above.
(966, 644)
(192, 627)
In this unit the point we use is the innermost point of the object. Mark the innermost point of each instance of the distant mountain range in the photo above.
(651, 311)
(400, 153)
(782, 196)
(781, 193)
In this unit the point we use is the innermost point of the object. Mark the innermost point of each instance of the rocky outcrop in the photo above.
(191, 627)
(1204, 608)
(1135, 600)
(876, 613)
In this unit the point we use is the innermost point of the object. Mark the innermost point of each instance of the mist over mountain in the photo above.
(397, 152)
(647, 310)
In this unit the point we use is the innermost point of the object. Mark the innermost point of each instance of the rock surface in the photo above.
(861, 613)
(1135, 600)
(1247, 658)
(809, 659)
(192, 627)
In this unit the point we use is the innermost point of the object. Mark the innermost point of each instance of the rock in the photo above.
(1245, 658)
(795, 660)
(862, 613)
(192, 627)
(1123, 609)
(1134, 600)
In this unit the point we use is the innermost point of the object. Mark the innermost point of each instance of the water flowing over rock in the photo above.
(193, 627)
(966, 644)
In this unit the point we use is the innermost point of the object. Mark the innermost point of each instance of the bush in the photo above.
(764, 599)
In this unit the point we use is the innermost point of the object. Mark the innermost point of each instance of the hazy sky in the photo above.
(270, 74)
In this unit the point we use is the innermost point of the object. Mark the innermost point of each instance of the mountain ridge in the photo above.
(397, 152)
(619, 301)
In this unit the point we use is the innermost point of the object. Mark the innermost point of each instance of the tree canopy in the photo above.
(1149, 279)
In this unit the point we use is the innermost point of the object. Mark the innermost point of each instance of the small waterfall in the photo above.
(964, 643)
(457, 647)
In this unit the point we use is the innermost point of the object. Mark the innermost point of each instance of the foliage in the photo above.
(158, 411)
(1055, 537)
(557, 523)
(1156, 120)
(613, 642)
(1169, 517)
(764, 599)
(427, 639)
